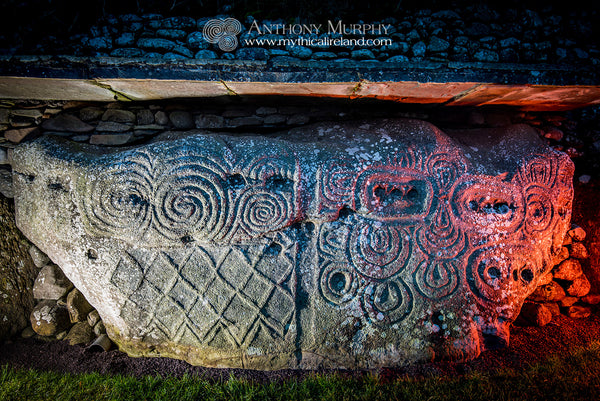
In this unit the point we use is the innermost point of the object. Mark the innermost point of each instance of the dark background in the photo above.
(23, 23)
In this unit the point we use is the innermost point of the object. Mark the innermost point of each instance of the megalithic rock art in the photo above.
(365, 244)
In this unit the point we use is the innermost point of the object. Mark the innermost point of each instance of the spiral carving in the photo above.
(261, 211)
(117, 199)
(190, 200)
(379, 251)
(539, 210)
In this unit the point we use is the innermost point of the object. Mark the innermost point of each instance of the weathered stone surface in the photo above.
(80, 333)
(578, 251)
(48, 318)
(548, 293)
(535, 314)
(580, 287)
(579, 311)
(363, 244)
(40, 259)
(78, 306)
(577, 233)
(569, 270)
(51, 283)
(17, 273)
(66, 122)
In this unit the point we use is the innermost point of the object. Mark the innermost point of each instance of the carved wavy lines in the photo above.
(495, 273)
(437, 279)
(360, 263)
(186, 195)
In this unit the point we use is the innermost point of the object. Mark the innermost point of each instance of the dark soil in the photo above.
(529, 345)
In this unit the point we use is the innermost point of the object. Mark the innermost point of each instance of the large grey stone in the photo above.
(361, 244)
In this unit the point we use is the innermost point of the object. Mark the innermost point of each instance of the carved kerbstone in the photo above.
(365, 244)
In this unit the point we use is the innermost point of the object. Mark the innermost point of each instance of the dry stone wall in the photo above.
(364, 244)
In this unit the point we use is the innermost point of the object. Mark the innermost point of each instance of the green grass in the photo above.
(570, 377)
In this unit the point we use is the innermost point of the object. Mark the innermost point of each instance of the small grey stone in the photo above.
(40, 259)
(111, 126)
(156, 44)
(298, 119)
(3, 157)
(418, 49)
(27, 113)
(279, 52)
(119, 116)
(561, 53)
(101, 43)
(437, 45)
(80, 138)
(413, 35)
(126, 39)
(445, 14)
(362, 54)
(110, 139)
(488, 56)
(80, 333)
(275, 119)
(153, 55)
(184, 51)
(99, 328)
(48, 318)
(171, 33)
(263, 111)
(245, 121)
(93, 318)
(252, 53)
(161, 118)
(51, 283)
(397, 59)
(145, 117)
(90, 113)
(4, 116)
(78, 306)
(510, 42)
(205, 54)
(209, 121)
(324, 55)
(174, 56)
(300, 52)
(17, 135)
(196, 41)
(129, 52)
(181, 119)
(66, 122)
(176, 23)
